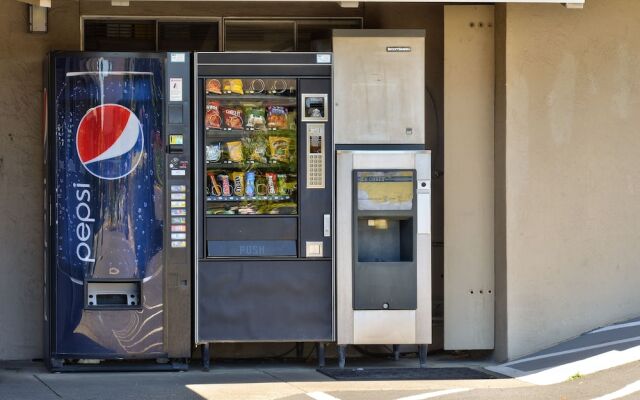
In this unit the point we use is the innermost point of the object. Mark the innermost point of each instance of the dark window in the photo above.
(259, 36)
(187, 36)
(119, 35)
(315, 35)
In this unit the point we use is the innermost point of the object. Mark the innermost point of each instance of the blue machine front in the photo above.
(109, 204)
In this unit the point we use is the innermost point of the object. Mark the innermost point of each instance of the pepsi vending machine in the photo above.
(117, 252)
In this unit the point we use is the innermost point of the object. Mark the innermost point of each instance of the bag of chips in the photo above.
(212, 118)
(213, 86)
(234, 149)
(233, 118)
(277, 117)
(255, 118)
(213, 152)
(256, 148)
(279, 147)
(232, 86)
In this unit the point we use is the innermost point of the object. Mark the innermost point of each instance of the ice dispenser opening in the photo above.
(385, 239)
(113, 294)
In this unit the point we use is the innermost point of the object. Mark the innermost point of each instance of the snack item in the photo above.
(238, 183)
(226, 186)
(213, 188)
(250, 183)
(279, 148)
(233, 118)
(272, 186)
(282, 184)
(277, 117)
(232, 86)
(258, 149)
(213, 152)
(235, 151)
(255, 117)
(212, 118)
(213, 86)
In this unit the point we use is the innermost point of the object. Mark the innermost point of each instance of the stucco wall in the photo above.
(21, 65)
(572, 170)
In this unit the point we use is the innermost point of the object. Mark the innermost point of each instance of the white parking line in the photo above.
(321, 396)
(431, 395)
(571, 351)
(614, 327)
(625, 391)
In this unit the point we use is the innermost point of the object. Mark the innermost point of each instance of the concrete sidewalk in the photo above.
(30, 381)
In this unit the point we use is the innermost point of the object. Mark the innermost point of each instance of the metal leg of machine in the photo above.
(342, 355)
(299, 350)
(206, 356)
(396, 352)
(422, 352)
(320, 349)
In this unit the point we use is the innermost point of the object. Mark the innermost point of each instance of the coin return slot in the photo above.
(113, 294)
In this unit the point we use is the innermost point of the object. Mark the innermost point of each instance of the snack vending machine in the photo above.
(117, 202)
(264, 189)
(383, 190)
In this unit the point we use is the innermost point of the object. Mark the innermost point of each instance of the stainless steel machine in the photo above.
(383, 190)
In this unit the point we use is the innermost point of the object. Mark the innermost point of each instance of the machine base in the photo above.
(422, 354)
(320, 347)
(178, 364)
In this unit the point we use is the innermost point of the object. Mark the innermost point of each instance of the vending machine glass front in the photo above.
(251, 146)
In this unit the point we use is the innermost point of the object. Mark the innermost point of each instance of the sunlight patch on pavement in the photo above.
(431, 395)
(244, 391)
(625, 391)
(321, 396)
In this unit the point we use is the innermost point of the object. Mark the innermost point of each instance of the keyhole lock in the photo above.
(408, 131)
(385, 306)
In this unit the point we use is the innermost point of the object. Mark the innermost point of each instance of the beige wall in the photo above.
(572, 169)
(21, 69)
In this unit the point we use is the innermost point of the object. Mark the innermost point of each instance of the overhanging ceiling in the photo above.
(567, 3)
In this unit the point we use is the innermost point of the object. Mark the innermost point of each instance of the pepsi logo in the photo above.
(110, 141)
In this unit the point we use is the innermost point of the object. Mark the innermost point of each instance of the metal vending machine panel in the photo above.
(116, 287)
(264, 186)
(379, 87)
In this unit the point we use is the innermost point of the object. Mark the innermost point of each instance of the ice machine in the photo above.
(383, 190)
